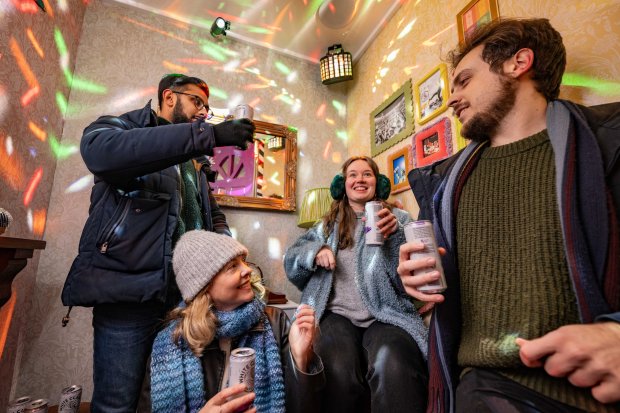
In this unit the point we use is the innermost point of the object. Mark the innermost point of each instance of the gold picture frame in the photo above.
(475, 14)
(431, 94)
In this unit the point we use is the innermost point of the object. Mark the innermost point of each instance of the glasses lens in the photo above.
(209, 113)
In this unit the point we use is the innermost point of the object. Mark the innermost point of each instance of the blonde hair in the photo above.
(197, 323)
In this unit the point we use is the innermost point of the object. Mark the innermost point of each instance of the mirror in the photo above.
(263, 176)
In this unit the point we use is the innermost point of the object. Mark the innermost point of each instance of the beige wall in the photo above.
(52, 357)
(590, 29)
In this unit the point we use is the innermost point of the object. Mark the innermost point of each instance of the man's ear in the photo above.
(167, 101)
(520, 63)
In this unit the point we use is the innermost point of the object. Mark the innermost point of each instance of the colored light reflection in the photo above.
(600, 86)
(35, 180)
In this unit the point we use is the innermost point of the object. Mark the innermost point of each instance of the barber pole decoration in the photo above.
(259, 148)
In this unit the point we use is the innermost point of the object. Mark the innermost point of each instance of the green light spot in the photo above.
(342, 135)
(59, 150)
(221, 5)
(60, 42)
(259, 30)
(62, 103)
(283, 68)
(602, 87)
(286, 99)
(218, 93)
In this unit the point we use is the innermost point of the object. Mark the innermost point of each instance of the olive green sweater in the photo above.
(514, 276)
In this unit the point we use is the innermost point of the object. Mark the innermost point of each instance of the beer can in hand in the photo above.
(243, 111)
(242, 365)
(373, 235)
(37, 406)
(18, 405)
(422, 231)
(70, 399)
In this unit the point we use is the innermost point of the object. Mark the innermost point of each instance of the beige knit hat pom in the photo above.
(199, 256)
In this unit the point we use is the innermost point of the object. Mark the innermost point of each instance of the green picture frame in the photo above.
(431, 94)
(392, 121)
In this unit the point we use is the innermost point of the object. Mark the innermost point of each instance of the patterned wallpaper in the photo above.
(333, 123)
(422, 32)
(37, 56)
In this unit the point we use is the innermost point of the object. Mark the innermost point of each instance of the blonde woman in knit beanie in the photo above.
(222, 309)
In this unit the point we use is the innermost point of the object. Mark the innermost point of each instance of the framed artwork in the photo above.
(433, 143)
(431, 94)
(475, 14)
(398, 168)
(392, 121)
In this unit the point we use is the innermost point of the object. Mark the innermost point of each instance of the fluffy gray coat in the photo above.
(379, 284)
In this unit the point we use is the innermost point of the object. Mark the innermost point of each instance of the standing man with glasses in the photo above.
(146, 194)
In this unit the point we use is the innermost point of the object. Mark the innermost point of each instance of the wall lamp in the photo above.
(219, 27)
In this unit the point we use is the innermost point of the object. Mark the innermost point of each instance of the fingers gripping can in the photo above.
(373, 235)
(70, 398)
(242, 365)
(243, 111)
(422, 231)
(18, 405)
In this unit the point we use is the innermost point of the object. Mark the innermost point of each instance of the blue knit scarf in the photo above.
(177, 380)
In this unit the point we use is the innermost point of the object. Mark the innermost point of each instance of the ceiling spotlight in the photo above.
(219, 27)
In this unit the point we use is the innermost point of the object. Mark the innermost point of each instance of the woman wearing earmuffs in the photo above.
(372, 341)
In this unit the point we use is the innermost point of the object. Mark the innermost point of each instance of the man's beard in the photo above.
(177, 114)
(483, 125)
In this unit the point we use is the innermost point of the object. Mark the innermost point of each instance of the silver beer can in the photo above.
(37, 406)
(242, 365)
(422, 231)
(373, 235)
(243, 111)
(70, 399)
(18, 405)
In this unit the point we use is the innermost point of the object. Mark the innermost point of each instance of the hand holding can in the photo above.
(373, 235)
(422, 232)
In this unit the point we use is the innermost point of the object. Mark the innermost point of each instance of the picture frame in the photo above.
(475, 14)
(392, 121)
(398, 167)
(461, 142)
(431, 94)
(432, 143)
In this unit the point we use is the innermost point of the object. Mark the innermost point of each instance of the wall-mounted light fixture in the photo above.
(219, 27)
(336, 65)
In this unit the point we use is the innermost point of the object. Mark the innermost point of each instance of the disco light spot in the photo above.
(256, 225)
(8, 145)
(33, 152)
(80, 185)
(274, 247)
(406, 29)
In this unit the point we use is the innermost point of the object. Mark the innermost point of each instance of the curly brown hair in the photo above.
(502, 38)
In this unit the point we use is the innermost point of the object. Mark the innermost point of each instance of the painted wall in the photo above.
(37, 56)
(282, 89)
(421, 33)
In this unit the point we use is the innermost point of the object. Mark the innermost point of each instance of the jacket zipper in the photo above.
(104, 246)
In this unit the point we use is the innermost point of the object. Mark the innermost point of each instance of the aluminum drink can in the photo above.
(242, 365)
(244, 111)
(18, 405)
(70, 399)
(373, 235)
(37, 406)
(422, 231)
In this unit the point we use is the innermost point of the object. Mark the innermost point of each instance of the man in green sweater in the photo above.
(527, 217)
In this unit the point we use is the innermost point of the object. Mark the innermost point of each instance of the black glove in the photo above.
(238, 132)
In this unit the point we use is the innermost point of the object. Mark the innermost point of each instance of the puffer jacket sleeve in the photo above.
(117, 148)
(302, 388)
(299, 258)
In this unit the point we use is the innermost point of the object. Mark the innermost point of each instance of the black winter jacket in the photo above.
(302, 389)
(126, 244)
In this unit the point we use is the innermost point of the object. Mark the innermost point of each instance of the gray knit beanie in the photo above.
(199, 256)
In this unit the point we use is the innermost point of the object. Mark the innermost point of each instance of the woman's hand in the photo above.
(411, 282)
(301, 337)
(220, 404)
(325, 258)
(387, 224)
